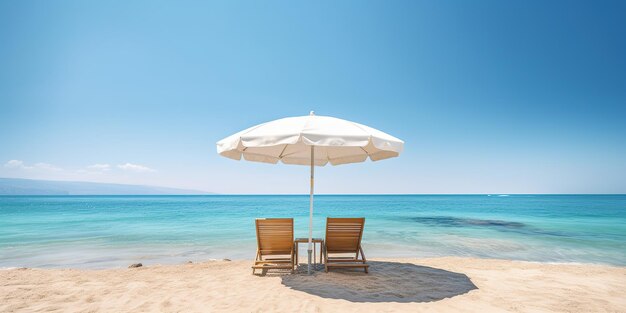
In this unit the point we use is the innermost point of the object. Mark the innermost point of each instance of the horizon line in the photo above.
(325, 194)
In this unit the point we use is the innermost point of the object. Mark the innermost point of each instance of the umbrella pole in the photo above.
(310, 250)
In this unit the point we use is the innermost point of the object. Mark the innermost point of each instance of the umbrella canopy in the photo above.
(310, 140)
(289, 140)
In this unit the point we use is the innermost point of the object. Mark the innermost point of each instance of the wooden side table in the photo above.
(315, 241)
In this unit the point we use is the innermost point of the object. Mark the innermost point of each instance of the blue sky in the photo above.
(489, 96)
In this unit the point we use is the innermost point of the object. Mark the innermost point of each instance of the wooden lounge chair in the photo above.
(275, 244)
(343, 237)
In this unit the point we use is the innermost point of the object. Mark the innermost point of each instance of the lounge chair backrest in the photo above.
(274, 235)
(344, 234)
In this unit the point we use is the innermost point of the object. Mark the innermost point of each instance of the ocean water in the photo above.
(115, 231)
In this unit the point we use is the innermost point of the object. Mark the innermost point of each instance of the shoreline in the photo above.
(443, 284)
(303, 257)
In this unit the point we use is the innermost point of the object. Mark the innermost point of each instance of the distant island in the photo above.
(19, 186)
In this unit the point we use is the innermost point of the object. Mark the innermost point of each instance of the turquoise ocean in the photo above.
(114, 231)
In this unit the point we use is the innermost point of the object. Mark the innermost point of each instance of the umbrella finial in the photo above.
(312, 113)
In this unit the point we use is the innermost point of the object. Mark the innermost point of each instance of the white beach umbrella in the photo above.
(310, 140)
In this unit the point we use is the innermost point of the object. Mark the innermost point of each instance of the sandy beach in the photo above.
(448, 284)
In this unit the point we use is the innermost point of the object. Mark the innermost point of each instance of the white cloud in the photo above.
(16, 164)
(94, 168)
(125, 173)
(100, 167)
(48, 167)
(135, 168)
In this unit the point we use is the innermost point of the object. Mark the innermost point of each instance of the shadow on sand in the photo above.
(386, 282)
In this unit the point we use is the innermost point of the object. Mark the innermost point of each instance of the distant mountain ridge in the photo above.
(34, 187)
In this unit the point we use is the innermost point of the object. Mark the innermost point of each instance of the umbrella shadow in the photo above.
(386, 282)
